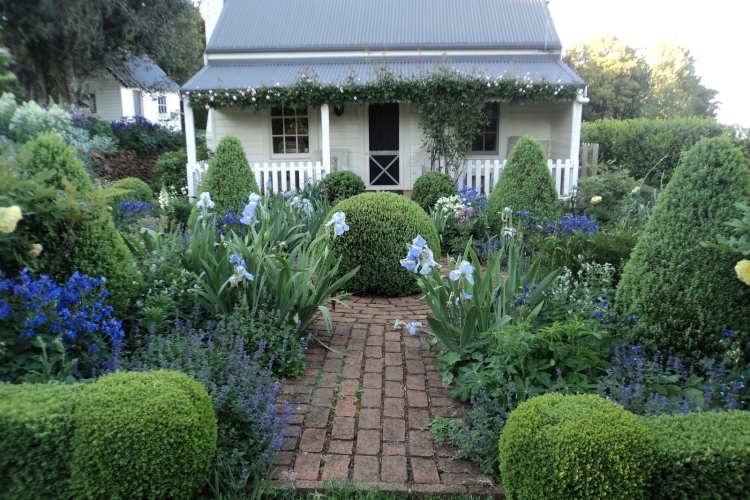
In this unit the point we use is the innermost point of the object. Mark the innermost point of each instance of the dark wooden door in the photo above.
(384, 145)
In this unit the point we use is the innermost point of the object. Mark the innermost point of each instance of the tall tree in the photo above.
(617, 76)
(58, 44)
(676, 90)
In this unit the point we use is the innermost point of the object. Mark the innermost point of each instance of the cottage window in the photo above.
(162, 102)
(289, 130)
(486, 142)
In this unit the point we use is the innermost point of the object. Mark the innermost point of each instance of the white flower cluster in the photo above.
(449, 205)
(579, 293)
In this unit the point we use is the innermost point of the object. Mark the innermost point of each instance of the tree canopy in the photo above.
(625, 82)
(58, 44)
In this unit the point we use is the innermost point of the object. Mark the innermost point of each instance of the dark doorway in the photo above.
(384, 145)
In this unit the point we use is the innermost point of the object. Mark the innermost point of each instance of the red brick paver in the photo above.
(363, 416)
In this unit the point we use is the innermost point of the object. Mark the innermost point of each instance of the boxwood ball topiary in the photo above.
(137, 191)
(681, 295)
(380, 226)
(556, 447)
(142, 435)
(49, 152)
(430, 187)
(229, 178)
(525, 184)
(341, 185)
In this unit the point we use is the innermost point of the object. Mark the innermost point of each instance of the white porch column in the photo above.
(575, 135)
(325, 135)
(189, 131)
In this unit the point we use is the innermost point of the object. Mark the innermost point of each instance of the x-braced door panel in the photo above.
(384, 145)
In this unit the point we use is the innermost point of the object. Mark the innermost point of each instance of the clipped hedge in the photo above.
(430, 187)
(35, 451)
(640, 144)
(142, 435)
(681, 295)
(49, 152)
(381, 224)
(701, 456)
(137, 191)
(339, 186)
(525, 184)
(584, 447)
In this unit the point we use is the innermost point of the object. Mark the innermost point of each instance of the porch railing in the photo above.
(271, 176)
(484, 174)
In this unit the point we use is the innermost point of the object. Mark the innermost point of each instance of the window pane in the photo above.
(277, 126)
(289, 127)
(477, 144)
(278, 145)
(302, 142)
(275, 111)
(492, 126)
(302, 126)
(490, 142)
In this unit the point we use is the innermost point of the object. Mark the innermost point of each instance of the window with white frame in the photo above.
(290, 131)
(161, 101)
(486, 141)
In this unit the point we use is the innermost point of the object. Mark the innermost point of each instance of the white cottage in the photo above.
(138, 88)
(256, 45)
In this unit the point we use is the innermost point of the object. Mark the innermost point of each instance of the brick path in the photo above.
(363, 417)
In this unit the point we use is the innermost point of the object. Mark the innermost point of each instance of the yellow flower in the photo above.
(743, 271)
(636, 189)
(9, 217)
(36, 249)
(596, 200)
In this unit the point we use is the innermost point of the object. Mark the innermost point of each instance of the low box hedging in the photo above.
(128, 435)
(36, 432)
(701, 456)
(583, 447)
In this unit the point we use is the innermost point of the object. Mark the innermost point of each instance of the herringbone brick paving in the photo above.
(363, 416)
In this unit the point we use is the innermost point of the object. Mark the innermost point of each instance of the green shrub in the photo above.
(49, 152)
(525, 184)
(682, 295)
(381, 224)
(430, 187)
(35, 449)
(701, 456)
(8, 106)
(137, 191)
(229, 178)
(99, 250)
(30, 120)
(341, 185)
(615, 189)
(584, 447)
(169, 170)
(142, 435)
(641, 144)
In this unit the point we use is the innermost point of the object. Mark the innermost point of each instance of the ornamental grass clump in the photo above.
(381, 225)
(682, 295)
(525, 184)
(561, 447)
(430, 187)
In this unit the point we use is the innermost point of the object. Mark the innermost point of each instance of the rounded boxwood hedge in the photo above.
(585, 447)
(380, 226)
(680, 294)
(341, 185)
(525, 184)
(137, 191)
(49, 152)
(142, 435)
(701, 456)
(430, 187)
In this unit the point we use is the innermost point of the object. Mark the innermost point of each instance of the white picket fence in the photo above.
(484, 174)
(271, 177)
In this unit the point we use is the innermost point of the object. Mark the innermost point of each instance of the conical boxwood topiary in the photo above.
(681, 295)
(49, 152)
(380, 226)
(525, 184)
(229, 178)
(430, 187)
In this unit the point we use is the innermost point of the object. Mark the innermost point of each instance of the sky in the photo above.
(716, 32)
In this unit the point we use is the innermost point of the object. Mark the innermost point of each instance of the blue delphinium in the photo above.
(76, 313)
(131, 211)
(563, 227)
(471, 197)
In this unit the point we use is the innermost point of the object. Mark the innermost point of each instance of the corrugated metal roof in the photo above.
(303, 25)
(234, 75)
(142, 72)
